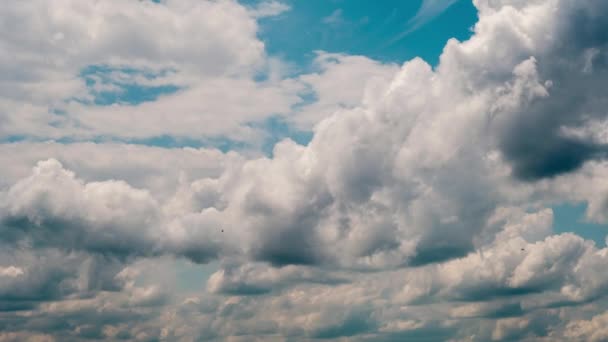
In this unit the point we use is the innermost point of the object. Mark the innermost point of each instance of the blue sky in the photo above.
(570, 217)
(361, 27)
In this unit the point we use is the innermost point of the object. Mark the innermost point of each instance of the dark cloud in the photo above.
(356, 321)
(438, 253)
(427, 333)
(258, 279)
(289, 247)
(534, 143)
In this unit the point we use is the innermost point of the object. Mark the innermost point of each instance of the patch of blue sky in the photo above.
(223, 144)
(133, 94)
(363, 27)
(13, 139)
(569, 217)
(307, 97)
(193, 277)
(190, 278)
(111, 85)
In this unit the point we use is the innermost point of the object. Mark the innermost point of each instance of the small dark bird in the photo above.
(521, 249)
(222, 230)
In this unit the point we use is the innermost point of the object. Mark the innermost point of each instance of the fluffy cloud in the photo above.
(574, 72)
(53, 208)
(592, 330)
(209, 50)
(117, 32)
(261, 279)
(160, 170)
(362, 75)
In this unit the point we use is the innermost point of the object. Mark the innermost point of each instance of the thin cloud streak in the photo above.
(428, 11)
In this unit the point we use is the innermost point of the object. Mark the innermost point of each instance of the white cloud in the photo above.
(23, 336)
(10, 271)
(215, 108)
(269, 9)
(160, 170)
(54, 208)
(365, 77)
(375, 186)
(210, 49)
(335, 18)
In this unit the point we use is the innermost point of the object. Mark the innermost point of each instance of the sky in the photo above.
(282, 170)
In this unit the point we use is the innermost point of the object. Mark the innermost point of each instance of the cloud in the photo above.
(12, 336)
(337, 201)
(333, 70)
(94, 162)
(269, 9)
(335, 18)
(429, 10)
(590, 330)
(54, 209)
(257, 279)
(210, 69)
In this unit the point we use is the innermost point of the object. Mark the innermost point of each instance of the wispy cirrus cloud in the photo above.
(429, 10)
(269, 9)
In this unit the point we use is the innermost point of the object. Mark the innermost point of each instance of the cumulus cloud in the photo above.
(326, 85)
(97, 162)
(591, 330)
(208, 52)
(256, 279)
(52, 208)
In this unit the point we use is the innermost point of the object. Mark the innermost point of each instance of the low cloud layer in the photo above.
(420, 209)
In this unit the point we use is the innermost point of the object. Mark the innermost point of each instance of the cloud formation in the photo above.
(179, 44)
(421, 208)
